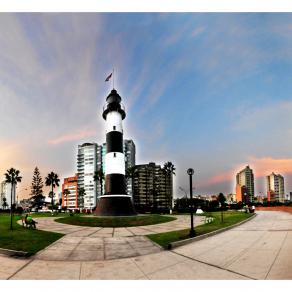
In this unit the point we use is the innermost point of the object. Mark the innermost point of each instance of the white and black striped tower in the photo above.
(115, 201)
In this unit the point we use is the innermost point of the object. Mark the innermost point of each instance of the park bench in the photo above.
(27, 224)
(208, 219)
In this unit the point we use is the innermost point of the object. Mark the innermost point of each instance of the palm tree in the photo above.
(81, 194)
(131, 172)
(4, 204)
(99, 176)
(66, 192)
(52, 180)
(169, 169)
(12, 177)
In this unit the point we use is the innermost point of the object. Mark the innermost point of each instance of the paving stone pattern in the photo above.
(97, 243)
(258, 249)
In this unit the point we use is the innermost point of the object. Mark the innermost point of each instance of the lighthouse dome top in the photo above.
(113, 103)
(113, 97)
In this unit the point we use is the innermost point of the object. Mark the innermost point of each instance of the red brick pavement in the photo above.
(275, 208)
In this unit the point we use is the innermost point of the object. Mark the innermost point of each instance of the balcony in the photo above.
(119, 107)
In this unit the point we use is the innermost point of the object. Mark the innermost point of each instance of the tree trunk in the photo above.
(52, 199)
(11, 228)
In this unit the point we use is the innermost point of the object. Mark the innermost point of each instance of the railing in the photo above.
(121, 104)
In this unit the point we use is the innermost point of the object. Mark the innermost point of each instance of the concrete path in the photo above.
(49, 224)
(258, 249)
(96, 243)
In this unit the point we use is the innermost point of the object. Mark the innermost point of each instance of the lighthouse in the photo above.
(115, 201)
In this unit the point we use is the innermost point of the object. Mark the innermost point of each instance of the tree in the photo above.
(4, 204)
(52, 180)
(36, 195)
(66, 192)
(12, 177)
(221, 199)
(131, 172)
(99, 176)
(51, 195)
(169, 169)
(81, 194)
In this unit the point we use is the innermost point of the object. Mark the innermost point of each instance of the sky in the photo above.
(211, 91)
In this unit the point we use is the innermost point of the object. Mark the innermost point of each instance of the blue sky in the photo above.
(210, 91)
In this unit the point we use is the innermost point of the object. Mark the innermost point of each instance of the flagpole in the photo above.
(113, 78)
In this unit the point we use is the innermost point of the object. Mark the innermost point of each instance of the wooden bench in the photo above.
(27, 224)
(209, 219)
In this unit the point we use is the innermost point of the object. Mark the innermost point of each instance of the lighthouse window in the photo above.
(114, 127)
(114, 154)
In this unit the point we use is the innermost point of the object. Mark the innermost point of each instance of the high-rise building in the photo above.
(90, 158)
(245, 185)
(5, 192)
(70, 198)
(130, 161)
(152, 188)
(275, 188)
(86, 166)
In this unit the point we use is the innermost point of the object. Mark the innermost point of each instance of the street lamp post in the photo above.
(190, 172)
(20, 191)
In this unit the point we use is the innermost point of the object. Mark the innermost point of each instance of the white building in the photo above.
(5, 192)
(275, 187)
(86, 166)
(245, 179)
(90, 158)
(130, 161)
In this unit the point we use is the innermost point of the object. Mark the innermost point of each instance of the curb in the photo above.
(11, 252)
(203, 236)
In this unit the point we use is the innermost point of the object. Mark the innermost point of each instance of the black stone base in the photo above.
(115, 206)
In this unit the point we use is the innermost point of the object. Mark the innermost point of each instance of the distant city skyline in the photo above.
(211, 91)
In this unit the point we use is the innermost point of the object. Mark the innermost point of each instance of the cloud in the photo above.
(224, 177)
(81, 134)
(266, 165)
(270, 116)
(261, 166)
(197, 31)
(9, 154)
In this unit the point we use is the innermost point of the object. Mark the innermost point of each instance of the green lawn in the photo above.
(115, 221)
(24, 239)
(49, 214)
(229, 218)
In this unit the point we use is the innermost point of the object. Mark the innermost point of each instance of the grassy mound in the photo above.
(115, 221)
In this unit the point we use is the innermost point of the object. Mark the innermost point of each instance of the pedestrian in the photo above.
(30, 221)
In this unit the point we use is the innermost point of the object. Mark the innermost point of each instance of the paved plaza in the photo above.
(96, 243)
(258, 249)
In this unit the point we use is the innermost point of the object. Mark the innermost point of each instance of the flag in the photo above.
(108, 77)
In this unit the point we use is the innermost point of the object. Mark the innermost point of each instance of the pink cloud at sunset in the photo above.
(219, 178)
(264, 166)
(10, 154)
(261, 168)
(72, 137)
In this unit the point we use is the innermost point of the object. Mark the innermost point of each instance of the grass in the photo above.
(115, 221)
(229, 218)
(49, 214)
(24, 239)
